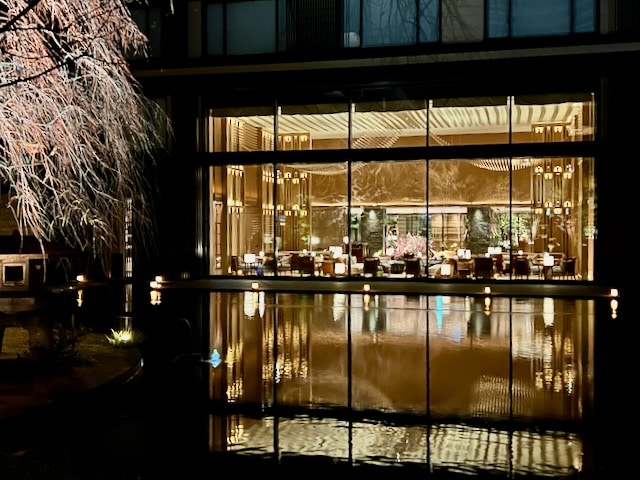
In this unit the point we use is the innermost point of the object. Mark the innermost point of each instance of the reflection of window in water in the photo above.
(547, 311)
(479, 320)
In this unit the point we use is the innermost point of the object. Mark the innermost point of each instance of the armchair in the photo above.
(371, 266)
(306, 264)
(483, 267)
(412, 267)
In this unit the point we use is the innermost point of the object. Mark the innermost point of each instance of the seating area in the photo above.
(324, 263)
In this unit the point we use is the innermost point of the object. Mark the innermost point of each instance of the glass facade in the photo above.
(385, 199)
(240, 27)
(250, 27)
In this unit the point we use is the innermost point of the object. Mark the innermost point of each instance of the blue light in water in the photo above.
(215, 359)
(439, 311)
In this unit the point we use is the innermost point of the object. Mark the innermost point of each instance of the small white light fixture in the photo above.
(339, 268)
(487, 290)
(159, 279)
(80, 278)
(154, 284)
(614, 292)
(255, 286)
(366, 287)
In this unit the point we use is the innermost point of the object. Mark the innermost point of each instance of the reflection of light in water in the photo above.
(216, 358)
(261, 304)
(439, 311)
(614, 308)
(250, 299)
(356, 312)
(569, 378)
(472, 450)
(547, 311)
(339, 306)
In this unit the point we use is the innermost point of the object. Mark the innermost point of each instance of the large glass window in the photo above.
(240, 129)
(314, 126)
(377, 214)
(242, 219)
(236, 27)
(388, 217)
(469, 217)
(553, 118)
(468, 121)
(389, 118)
(314, 243)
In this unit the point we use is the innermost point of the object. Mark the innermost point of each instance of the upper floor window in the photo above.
(149, 21)
(522, 18)
(250, 27)
(234, 27)
(386, 22)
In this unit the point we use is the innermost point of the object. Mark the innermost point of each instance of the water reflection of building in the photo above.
(284, 348)
(448, 356)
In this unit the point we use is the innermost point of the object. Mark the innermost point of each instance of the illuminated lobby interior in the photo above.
(350, 210)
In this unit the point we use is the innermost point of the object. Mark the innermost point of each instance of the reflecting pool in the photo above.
(440, 383)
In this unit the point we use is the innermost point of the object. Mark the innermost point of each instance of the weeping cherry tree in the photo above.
(75, 128)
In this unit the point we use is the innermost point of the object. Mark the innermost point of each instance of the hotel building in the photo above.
(427, 151)
(457, 140)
